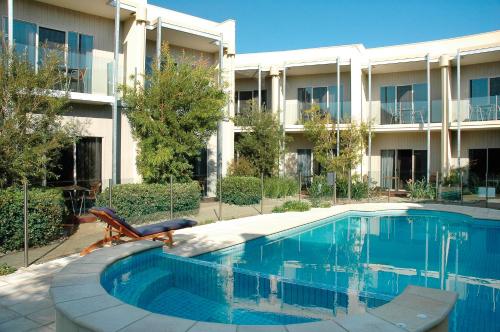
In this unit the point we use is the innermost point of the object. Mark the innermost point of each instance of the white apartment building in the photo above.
(433, 105)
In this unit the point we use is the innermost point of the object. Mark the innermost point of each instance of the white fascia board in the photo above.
(90, 98)
(481, 50)
(210, 35)
(123, 5)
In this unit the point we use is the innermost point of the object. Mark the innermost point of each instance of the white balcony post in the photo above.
(220, 126)
(10, 22)
(158, 42)
(338, 106)
(114, 157)
(428, 60)
(284, 119)
(458, 109)
(369, 123)
(260, 88)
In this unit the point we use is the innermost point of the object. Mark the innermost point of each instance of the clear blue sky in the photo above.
(268, 25)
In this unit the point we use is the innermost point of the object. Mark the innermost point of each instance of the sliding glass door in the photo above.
(404, 103)
(387, 169)
(304, 164)
(24, 39)
(88, 161)
(80, 48)
(399, 166)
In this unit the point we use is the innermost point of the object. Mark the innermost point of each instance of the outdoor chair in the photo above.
(115, 224)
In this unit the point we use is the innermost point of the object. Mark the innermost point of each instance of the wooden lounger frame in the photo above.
(120, 231)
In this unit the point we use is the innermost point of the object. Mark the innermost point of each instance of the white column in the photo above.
(275, 86)
(428, 67)
(114, 163)
(158, 41)
(444, 64)
(10, 22)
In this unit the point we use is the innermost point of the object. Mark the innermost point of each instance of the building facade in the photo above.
(433, 106)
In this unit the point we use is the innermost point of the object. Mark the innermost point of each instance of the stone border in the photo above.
(82, 304)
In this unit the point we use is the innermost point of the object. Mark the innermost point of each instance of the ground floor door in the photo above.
(304, 163)
(484, 163)
(399, 166)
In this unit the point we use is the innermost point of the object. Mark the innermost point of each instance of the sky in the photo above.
(291, 24)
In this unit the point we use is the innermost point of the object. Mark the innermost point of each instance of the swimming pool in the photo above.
(340, 265)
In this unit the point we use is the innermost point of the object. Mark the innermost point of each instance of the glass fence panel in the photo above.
(476, 109)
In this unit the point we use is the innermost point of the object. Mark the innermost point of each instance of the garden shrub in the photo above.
(240, 190)
(46, 214)
(280, 187)
(359, 188)
(139, 200)
(6, 269)
(420, 190)
(241, 167)
(298, 206)
(319, 188)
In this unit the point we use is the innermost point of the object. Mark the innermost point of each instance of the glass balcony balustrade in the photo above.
(296, 112)
(476, 109)
(407, 112)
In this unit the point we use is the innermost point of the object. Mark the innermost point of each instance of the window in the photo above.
(304, 164)
(403, 104)
(24, 38)
(244, 99)
(80, 48)
(484, 99)
(482, 161)
(325, 98)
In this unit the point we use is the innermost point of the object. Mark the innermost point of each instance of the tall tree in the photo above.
(32, 105)
(261, 139)
(173, 114)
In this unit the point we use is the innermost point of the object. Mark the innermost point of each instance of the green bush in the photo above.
(46, 214)
(359, 188)
(298, 206)
(240, 190)
(6, 269)
(139, 200)
(420, 189)
(280, 187)
(319, 188)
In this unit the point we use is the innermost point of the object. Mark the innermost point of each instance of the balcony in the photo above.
(398, 113)
(86, 73)
(477, 109)
(296, 111)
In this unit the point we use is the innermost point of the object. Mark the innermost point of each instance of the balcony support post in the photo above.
(458, 110)
(260, 88)
(220, 125)
(114, 157)
(444, 64)
(428, 65)
(158, 42)
(369, 125)
(284, 121)
(10, 22)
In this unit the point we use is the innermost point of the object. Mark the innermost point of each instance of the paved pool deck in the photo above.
(25, 303)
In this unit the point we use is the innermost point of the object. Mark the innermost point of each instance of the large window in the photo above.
(80, 48)
(325, 98)
(484, 99)
(403, 104)
(244, 100)
(24, 39)
(399, 166)
(482, 162)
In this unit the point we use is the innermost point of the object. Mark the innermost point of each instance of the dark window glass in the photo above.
(420, 163)
(419, 103)
(404, 103)
(332, 99)
(304, 98)
(24, 39)
(88, 161)
(388, 104)
(53, 38)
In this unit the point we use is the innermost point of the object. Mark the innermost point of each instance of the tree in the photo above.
(261, 139)
(32, 128)
(320, 130)
(173, 114)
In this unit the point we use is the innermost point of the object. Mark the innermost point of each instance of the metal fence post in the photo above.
(461, 188)
(334, 188)
(110, 186)
(437, 185)
(388, 195)
(300, 186)
(220, 197)
(262, 193)
(171, 197)
(486, 178)
(26, 239)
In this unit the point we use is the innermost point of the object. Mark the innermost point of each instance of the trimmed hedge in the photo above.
(142, 199)
(240, 190)
(280, 187)
(46, 214)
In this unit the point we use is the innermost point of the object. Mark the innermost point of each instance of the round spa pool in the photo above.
(324, 269)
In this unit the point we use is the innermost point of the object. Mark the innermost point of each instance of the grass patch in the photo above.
(6, 269)
(298, 206)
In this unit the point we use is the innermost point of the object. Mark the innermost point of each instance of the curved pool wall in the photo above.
(82, 303)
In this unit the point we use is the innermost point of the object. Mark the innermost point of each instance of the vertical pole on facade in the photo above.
(10, 22)
(338, 129)
(171, 197)
(115, 94)
(26, 239)
(284, 120)
(458, 123)
(428, 61)
(158, 42)
(369, 126)
(261, 193)
(219, 128)
(260, 88)
(110, 188)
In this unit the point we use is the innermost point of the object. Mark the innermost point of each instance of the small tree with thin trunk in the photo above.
(173, 114)
(32, 105)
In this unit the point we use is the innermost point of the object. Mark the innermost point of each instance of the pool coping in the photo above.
(82, 304)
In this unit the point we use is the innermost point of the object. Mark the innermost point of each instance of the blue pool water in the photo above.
(332, 267)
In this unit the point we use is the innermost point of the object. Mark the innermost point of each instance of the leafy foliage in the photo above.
(359, 188)
(46, 214)
(138, 201)
(299, 206)
(320, 188)
(242, 167)
(280, 187)
(173, 115)
(6, 269)
(261, 140)
(32, 131)
(240, 190)
(420, 189)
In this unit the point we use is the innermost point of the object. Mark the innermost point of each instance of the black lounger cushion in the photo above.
(112, 214)
(165, 226)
